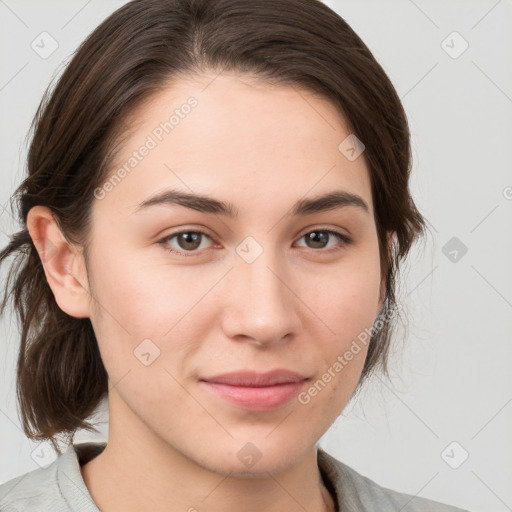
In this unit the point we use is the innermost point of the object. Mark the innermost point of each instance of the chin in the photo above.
(253, 459)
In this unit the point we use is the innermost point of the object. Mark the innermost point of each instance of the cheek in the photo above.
(347, 299)
(142, 297)
(143, 309)
(346, 302)
(348, 309)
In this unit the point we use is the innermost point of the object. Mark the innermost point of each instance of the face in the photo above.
(184, 295)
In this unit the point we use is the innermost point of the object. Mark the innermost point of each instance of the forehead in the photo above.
(237, 136)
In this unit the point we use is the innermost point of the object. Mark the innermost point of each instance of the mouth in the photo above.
(256, 391)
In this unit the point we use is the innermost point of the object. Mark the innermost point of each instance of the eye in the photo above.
(319, 237)
(189, 242)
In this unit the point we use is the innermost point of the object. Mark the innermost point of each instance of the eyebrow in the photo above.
(206, 204)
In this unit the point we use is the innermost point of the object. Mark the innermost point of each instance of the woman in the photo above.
(216, 209)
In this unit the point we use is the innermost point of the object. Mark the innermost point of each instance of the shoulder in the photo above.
(36, 490)
(356, 492)
(59, 487)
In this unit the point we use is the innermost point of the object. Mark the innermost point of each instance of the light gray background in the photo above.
(453, 380)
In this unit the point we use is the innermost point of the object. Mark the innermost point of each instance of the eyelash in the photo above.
(343, 238)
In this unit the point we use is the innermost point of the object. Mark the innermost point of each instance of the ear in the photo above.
(62, 262)
(391, 239)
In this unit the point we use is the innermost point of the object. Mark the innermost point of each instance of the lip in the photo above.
(255, 391)
(255, 379)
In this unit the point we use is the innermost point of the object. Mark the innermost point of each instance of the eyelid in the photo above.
(320, 227)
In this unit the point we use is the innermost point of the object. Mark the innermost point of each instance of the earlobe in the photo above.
(62, 262)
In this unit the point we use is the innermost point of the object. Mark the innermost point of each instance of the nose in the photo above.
(260, 304)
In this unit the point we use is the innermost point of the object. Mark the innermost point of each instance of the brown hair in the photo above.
(131, 55)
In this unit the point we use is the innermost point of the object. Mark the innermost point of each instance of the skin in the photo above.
(172, 443)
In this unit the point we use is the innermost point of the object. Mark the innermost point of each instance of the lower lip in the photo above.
(257, 398)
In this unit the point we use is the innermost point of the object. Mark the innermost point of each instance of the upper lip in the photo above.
(255, 379)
